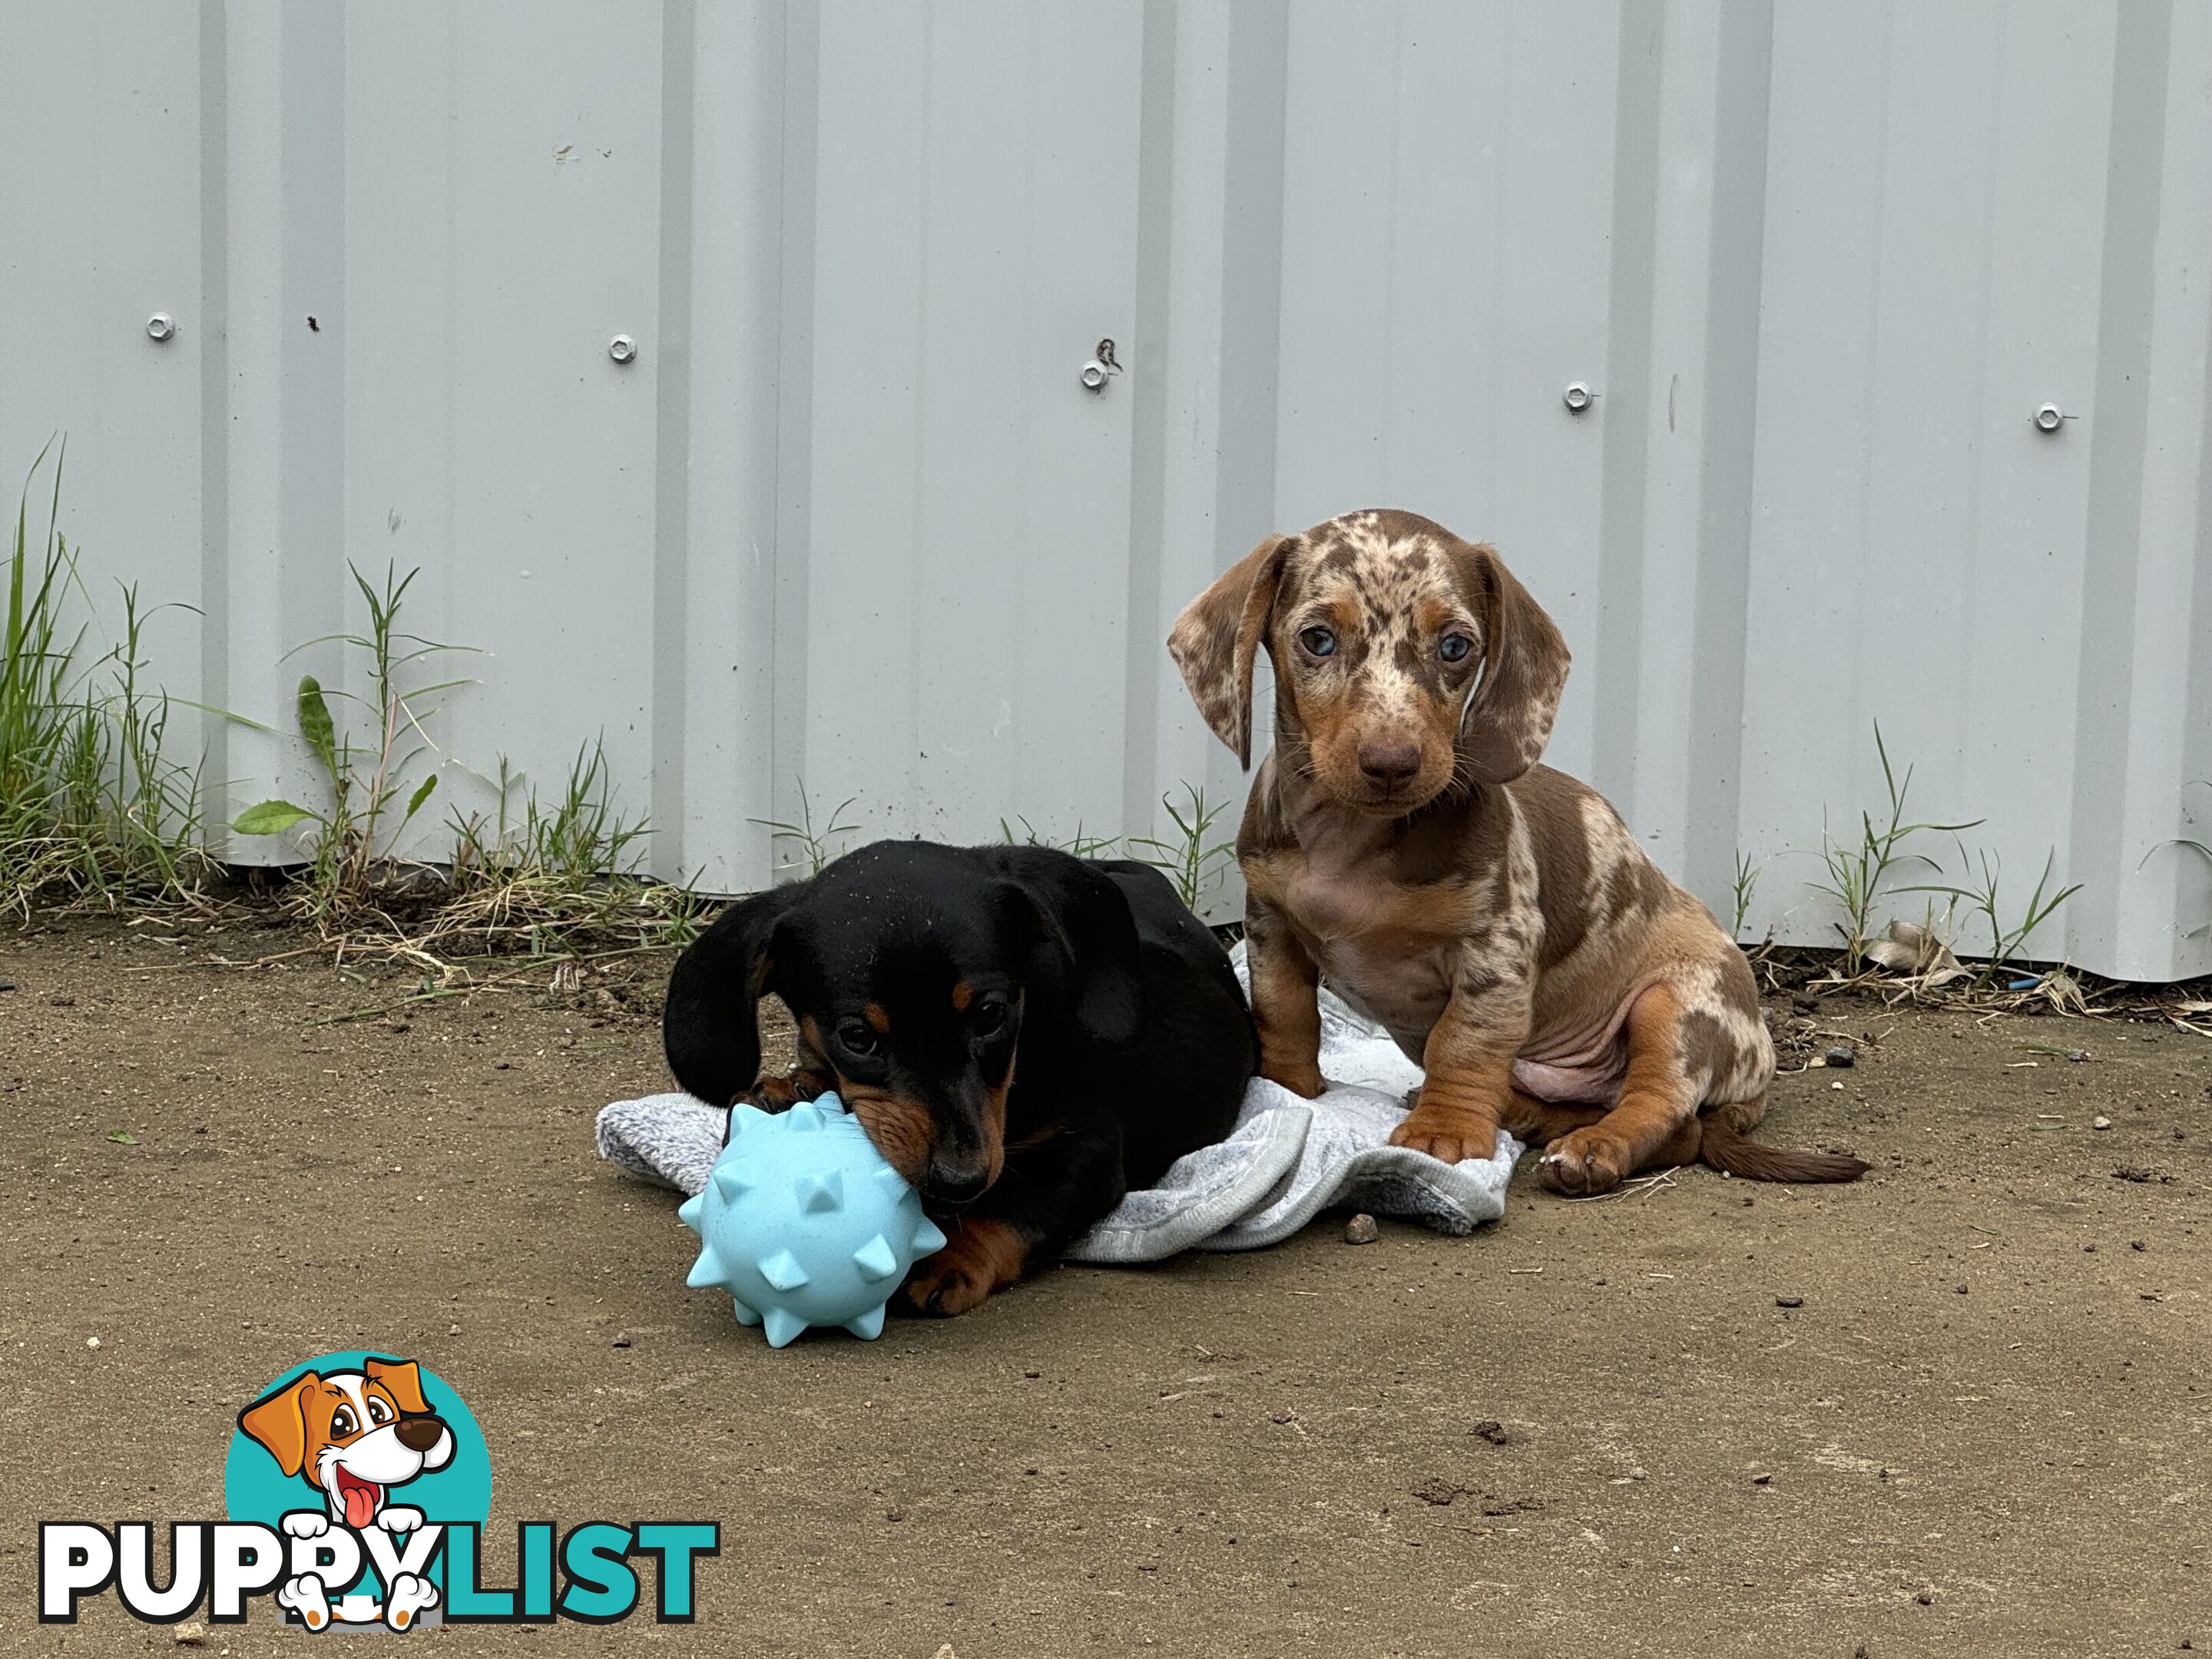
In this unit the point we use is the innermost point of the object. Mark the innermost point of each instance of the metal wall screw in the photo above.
(2048, 417)
(622, 348)
(1578, 397)
(1094, 376)
(161, 326)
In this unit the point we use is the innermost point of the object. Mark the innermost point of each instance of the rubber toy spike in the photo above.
(805, 1224)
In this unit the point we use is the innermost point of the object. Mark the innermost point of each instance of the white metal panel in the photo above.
(849, 523)
(100, 229)
(1449, 192)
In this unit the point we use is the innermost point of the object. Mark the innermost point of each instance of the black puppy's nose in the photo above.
(1390, 764)
(955, 1185)
(420, 1433)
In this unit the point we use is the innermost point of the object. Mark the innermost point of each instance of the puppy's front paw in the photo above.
(978, 1257)
(305, 1523)
(398, 1518)
(943, 1289)
(1585, 1163)
(1303, 1080)
(774, 1094)
(408, 1596)
(305, 1596)
(781, 1094)
(1449, 1137)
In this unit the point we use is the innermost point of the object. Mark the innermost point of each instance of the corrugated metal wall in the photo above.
(850, 519)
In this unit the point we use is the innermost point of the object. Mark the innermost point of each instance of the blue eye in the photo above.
(1318, 640)
(1454, 648)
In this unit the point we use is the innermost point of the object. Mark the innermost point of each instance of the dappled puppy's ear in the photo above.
(1081, 921)
(1508, 720)
(1218, 633)
(710, 1025)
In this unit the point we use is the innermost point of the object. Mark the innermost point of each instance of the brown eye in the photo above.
(1319, 642)
(1454, 648)
(379, 1412)
(855, 1038)
(341, 1422)
(991, 1017)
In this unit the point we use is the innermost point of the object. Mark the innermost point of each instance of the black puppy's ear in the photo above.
(1083, 920)
(710, 1024)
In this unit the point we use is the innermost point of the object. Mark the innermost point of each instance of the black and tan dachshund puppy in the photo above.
(1026, 1035)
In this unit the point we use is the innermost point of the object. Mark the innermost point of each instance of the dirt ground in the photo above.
(1983, 1430)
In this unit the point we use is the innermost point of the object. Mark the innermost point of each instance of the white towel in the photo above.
(1286, 1162)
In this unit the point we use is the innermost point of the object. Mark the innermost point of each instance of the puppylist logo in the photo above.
(357, 1489)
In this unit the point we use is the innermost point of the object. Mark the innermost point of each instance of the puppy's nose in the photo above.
(1386, 765)
(420, 1433)
(955, 1185)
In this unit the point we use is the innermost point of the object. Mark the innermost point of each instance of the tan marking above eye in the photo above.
(963, 994)
(874, 1014)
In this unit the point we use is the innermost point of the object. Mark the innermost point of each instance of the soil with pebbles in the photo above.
(1961, 1407)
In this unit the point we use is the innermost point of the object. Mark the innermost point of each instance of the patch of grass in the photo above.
(553, 876)
(558, 875)
(814, 847)
(349, 854)
(1985, 898)
(1081, 845)
(1192, 859)
(1747, 883)
(1859, 871)
(92, 807)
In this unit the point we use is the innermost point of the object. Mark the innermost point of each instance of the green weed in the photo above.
(1081, 845)
(1858, 872)
(1747, 883)
(815, 848)
(1986, 898)
(92, 807)
(350, 853)
(1191, 859)
(558, 875)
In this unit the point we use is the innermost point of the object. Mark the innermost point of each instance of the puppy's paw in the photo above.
(978, 1258)
(1303, 1079)
(781, 1094)
(305, 1523)
(398, 1518)
(1585, 1163)
(410, 1595)
(305, 1596)
(942, 1288)
(1447, 1136)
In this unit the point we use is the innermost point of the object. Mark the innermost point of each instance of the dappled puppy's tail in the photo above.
(1726, 1149)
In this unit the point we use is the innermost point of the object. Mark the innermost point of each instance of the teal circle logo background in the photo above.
(255, 1488)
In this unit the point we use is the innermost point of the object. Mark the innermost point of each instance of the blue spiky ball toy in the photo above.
(803, 1222)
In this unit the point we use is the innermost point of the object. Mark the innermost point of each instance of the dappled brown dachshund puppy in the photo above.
(1026, 1035)
(1401, 842)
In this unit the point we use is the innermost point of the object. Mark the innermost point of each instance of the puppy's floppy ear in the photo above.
(1081, 920)
(710, 1024)
(279, 1423)
(1508, 720)
(1215, 639)
(404, 1378)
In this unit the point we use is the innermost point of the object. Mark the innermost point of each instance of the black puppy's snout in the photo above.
(956, 1184)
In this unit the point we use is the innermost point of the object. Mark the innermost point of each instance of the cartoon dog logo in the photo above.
(354, 1436)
